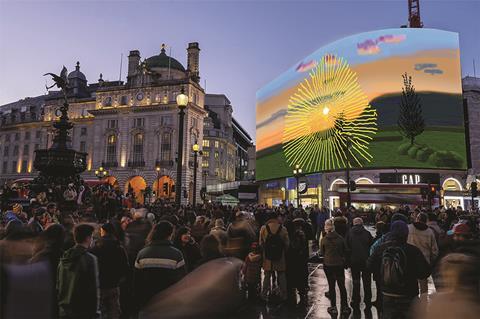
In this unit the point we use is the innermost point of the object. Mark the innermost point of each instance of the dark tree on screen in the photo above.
(410, 120)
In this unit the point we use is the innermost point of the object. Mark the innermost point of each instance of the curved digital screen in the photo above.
(388, 98)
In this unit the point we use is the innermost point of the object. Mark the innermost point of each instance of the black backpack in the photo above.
(393, 269)
(274, 245)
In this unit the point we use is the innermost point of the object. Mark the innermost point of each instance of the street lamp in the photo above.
(101, 173)
(182, 101)
(297, 172)
(195, 149)
(158, 181)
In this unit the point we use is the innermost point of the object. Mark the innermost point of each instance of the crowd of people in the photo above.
(111, 256)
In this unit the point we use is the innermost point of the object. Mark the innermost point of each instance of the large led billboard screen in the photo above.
(388, 98)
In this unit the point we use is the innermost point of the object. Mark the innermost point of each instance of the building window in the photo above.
(206, 143)
(111, 149)
(15, 150)
(123, 100)
(37, 146)
(5, 151)
(206, 154)
(166, 147)
(4, 167)
(112, 123)
(17, 136)
(138, 148)
(26, 149)
(83, 131)
(138, 122)
(27, 135)
(24, 166)
(14, 167)
(216, 144)
(7, 137)
(38, 134)
(194, 122)
(83, 146)
(205, 164)
(107, 101)
(166, 120)
(217, 155)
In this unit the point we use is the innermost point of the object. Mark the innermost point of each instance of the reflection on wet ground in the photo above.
(317, 302)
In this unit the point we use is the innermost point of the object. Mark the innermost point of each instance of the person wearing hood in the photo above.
(78, 290)
(399, 284)
(422, 237)
(16, 213)
(334, 251)
(358, 242)
(113, 266)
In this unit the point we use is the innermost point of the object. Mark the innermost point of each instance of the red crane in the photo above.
(414, 14)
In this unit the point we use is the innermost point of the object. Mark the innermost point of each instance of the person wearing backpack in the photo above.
(334, 252)
(398, 265)
(274, 242)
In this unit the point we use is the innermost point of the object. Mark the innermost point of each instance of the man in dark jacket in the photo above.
(159, 265)
(358, 241)
(77, 279)
(398, 298)
(113, 266)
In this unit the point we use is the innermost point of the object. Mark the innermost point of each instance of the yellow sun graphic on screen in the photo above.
(327, 112)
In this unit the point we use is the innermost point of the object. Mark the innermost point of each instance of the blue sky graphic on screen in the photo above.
(352, 88)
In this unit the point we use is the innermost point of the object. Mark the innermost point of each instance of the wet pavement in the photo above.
(317, 305)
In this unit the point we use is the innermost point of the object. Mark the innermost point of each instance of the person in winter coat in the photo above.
(322, 217)
(274, 241)
(398, 296)
(113, 267)
(210, 249)
(159, 265)
(189, 248)
(422, 237)
(334, 253)
(78, 290)
(252, 270)
(50, 249)
(136, 233)
(299, 233)
(341, 225)
(358, 241)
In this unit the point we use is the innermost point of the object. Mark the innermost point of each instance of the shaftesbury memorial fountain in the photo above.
(60, 166)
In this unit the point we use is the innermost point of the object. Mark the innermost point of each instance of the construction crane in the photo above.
(414, 14)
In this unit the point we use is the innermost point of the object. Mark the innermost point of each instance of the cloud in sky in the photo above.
(372, 46)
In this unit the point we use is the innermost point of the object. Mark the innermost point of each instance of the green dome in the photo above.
(164, 61)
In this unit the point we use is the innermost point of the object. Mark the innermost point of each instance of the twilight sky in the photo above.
(244, 44)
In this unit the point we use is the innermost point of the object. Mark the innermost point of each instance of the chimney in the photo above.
(133, 62)
(193, 53)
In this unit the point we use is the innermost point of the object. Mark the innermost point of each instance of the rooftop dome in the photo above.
(164, 61)
(77, 73)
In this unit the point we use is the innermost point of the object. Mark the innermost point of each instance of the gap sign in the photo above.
(410, 178)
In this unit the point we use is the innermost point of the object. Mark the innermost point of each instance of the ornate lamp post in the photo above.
(182, 101)
(157, 169)
(297, 172)
(101, 173)
(196, 150)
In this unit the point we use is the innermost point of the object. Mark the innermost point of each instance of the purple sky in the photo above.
(244, 44)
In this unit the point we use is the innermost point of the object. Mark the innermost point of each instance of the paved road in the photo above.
(317, 302)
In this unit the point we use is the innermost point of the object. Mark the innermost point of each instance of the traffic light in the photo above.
(474, 189)
(353, 186)
(165, 188)
(433, 190)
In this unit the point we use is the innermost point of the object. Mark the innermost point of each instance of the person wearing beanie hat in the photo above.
(334, 252)
(399, 291)
(113, 266)
(358, 241)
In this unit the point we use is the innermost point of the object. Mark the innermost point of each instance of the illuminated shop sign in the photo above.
(410, 178)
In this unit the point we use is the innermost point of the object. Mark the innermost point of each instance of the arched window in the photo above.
(138, 148)
(111, 153)
(166, 146)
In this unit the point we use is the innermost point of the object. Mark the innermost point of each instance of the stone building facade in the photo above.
(128, 128)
